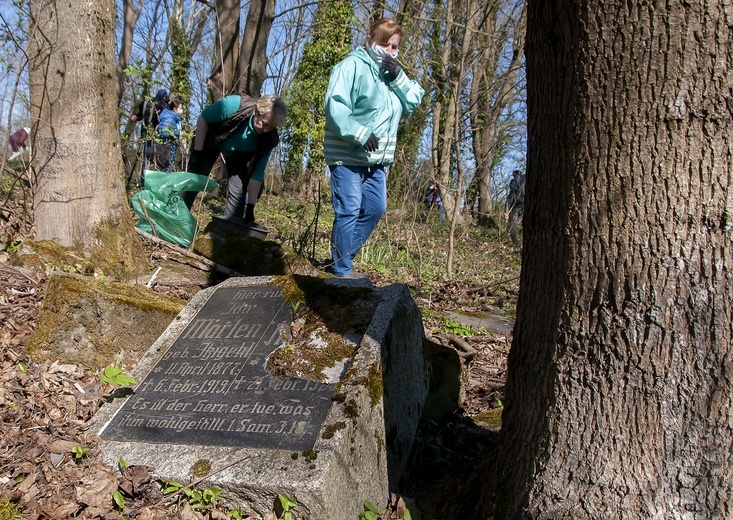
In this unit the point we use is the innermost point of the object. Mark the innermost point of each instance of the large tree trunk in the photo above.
(252, 69)
(620, 390)
(79, 197)
(224, 74)
(241, 68)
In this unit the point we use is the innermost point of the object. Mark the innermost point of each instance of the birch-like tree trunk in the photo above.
(79, 198)
(447, 77)
(494, 87)
(619, 399)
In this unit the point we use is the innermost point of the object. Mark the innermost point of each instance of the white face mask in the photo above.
(379, 53)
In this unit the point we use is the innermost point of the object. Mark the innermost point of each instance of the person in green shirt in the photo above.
(244, 130)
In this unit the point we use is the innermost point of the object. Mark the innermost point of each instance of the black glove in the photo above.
(372, 143)
(391, 67)
(249, 213)
(194, 161)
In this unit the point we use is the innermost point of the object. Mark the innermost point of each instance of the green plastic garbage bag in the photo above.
(160, 205)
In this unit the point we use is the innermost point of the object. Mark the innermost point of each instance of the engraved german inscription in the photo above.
(211, 388)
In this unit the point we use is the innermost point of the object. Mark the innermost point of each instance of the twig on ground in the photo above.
(150, 221)
(465, 351)
(196, 482)
(18, 272)
(484, 287)
(152, 278)
(202, 259)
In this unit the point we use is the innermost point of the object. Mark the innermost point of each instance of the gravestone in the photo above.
(205, 405)
(211, 387)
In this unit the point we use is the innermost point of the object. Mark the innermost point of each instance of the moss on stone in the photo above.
(113, 261)
(90, 322)
(490, 419)
(347, 379)
(351, 409)
(8, 511)
(324, 315)
(47, 253)
(310, 455)
(330, 430)
(374, 384)
(201, 468)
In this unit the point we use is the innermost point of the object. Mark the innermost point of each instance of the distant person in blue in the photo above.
(368, 93)
(244, 130)
(168, 133)
(515, 204)
(433, 201)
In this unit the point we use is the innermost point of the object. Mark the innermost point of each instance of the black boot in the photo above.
(249, 214)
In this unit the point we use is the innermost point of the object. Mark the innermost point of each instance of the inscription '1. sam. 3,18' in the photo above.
(211, 386)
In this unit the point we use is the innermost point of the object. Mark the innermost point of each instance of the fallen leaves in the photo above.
(44, 409)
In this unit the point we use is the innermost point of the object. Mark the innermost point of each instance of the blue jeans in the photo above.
(359, 198)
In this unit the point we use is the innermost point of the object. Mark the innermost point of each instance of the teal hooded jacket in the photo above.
(360, 101)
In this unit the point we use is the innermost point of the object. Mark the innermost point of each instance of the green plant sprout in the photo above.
(457, 328)
(119, 499)
(371, 512)
(79, 451)
(199, 500)
(113, 376)
(235, 514)
(295, 305)
(287, 504)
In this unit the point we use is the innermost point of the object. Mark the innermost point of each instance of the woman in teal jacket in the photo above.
(368, 93)
(244, 130)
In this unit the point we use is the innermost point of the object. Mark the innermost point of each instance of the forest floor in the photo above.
(51, 468)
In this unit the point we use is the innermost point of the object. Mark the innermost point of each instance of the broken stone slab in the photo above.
(90, 322)
(247, 252)
(207, 405)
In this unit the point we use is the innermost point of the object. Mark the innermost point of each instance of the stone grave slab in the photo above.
(211, 387)
(205, 406)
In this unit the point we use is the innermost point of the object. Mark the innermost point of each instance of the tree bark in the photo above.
(79, 198)
(619, 399)
(252, 67)
(241, 67)
(224, 73)
(447, 78)
(130, 15)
